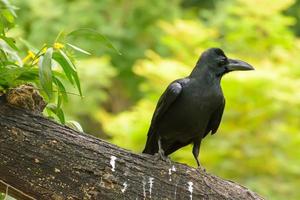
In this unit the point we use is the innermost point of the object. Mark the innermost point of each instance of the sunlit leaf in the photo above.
(8, 16)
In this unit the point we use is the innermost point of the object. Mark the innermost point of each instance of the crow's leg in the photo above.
(161, 153)
(196, 149)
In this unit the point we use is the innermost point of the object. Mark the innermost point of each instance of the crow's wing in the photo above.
(165, 101)
(215, 120)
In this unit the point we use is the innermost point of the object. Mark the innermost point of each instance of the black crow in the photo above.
(191, 107)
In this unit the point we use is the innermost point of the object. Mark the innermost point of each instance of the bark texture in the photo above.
(46, 160)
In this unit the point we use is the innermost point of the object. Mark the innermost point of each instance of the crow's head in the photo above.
(217, 63)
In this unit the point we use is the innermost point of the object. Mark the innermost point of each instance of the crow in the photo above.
(192, 107)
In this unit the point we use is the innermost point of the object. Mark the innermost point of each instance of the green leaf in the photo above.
(10, 42)
(61, 116)
(29, 74)
(3, 55)
(10, 63)
(45, 72)
(58, 112)
(78, 49)
(68, 70)
(8, 16)
(69, 62)
(77, 81)
(9, 52)
(70, 67)
(61, 89)
(59, 99)
(95, 35)
(74, 125)
(39, 53)
(10, 7)
(51, 107)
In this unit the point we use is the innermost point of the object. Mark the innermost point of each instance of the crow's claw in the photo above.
(160, 156)
(200, 168)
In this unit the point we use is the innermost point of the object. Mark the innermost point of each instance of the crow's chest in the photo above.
(200, 99)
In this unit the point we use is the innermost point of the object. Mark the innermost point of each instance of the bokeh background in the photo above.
(258, 142)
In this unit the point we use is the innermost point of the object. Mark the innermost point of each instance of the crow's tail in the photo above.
(151, 146)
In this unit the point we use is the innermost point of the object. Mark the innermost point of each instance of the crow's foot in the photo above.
(200, 168)
(161, 156)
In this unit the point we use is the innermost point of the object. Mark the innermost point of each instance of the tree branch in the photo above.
(46, 160)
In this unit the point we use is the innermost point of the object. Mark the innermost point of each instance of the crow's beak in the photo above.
(238, 65)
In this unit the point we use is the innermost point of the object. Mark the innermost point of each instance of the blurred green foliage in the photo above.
(258, 141)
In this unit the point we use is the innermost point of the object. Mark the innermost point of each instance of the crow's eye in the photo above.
(222, 62)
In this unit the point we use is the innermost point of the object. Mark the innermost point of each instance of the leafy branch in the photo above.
(50, 68)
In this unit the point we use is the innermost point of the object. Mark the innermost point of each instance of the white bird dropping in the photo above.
(151, 185)
(191, 189)
(125, 187)
(113, 162)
